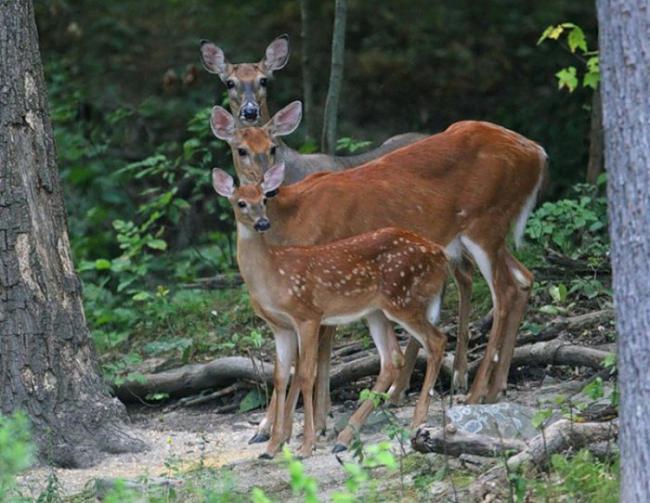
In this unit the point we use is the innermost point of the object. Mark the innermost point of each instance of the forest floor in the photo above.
(187, 440)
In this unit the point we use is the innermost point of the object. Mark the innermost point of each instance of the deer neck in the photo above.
(256, 264)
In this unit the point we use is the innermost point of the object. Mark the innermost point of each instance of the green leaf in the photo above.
(253, 400)
(552, 32)
(567, 78)
(157, 244)
(102, 264)
(141, 296)
(540, 417)
(577, 40)
(591, 79)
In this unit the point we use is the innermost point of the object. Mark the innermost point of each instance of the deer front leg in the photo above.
(306, 375)
(463, 278)
(285, 345)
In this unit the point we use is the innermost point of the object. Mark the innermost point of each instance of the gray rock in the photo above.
(508, 420)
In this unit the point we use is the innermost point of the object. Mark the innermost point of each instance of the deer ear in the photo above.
(223, 183)
(273, 178)
(276, 55)
(214, 60)
(222, 123)
(285, 121)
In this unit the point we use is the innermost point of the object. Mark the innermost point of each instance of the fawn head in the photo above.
(249, 201)
(246, 82)
(255, 148)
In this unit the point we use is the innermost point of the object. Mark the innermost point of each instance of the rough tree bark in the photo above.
(309, 114)
(47, 365)
(625, 69)
(328, 141)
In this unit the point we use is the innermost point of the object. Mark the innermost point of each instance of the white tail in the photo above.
(391, 271)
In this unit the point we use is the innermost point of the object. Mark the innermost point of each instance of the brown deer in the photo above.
(465, 188)
(247, 85)
(296, 289)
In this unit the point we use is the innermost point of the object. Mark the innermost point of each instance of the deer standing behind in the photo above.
(296, 289)
(247, 87)
(466, 188)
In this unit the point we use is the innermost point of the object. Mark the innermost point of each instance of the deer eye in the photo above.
(230, 84)
(263, 82)
(241, 204)
(242, 152)
(273, 149)
(264, 201)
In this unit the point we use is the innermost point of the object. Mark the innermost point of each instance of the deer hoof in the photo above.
(259, 437)
(339, 448)
(265, 455)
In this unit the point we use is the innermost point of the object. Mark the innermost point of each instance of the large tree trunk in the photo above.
(306, 16)
(330, 115)
(625, 66)
(47, 364)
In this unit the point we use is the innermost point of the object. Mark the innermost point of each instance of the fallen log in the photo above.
(454, 442)
(191, 379)
(555, 352)
(558, 437)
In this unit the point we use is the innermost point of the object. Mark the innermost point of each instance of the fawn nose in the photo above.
(262, 225)
(249, 112)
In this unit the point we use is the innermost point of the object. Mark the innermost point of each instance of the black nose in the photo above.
(262, 225)
(250, 113)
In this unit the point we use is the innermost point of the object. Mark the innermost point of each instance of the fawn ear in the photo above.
(223, 183)
(273, 178)
(214, 60)
(285, 121)
(276, 55)
(222, 123)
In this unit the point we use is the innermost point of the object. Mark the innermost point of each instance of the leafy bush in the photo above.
(576, 227)
(16, 452)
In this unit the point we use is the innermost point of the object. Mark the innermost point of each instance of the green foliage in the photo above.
(577, 44)
(16, 452)
(575, 227)
(351, 145)
(579, 478)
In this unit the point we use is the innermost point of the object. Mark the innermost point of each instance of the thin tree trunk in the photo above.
(328, 141)
(306, 15)
(47, 365)
(595, 165)
(625, 66)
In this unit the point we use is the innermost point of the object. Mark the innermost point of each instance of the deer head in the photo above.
(247, 82)
(249, 201)
(255, 148)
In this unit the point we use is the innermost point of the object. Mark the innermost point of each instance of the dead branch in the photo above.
(191, 401)
(455, 442)
(558, 437)
(217, 282)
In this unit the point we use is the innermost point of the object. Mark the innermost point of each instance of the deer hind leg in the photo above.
(285, 344)
(463, 278)
(391, 360)
(508, 305)
(433, 341)
(520, 283)
(396, 391)
(322, 401)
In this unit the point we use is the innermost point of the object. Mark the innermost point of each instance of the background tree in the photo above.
(625, 63)
(47, 364)
(306, 56)
(328, 142)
